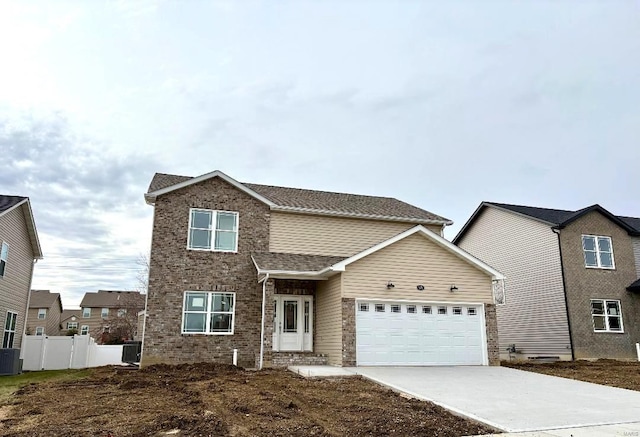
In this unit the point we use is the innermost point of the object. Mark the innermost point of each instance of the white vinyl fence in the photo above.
(77, 352)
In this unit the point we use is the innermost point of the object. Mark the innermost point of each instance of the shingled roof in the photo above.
(314, 201)
(290, 262)
(43, 299)
(112, 299)
(554, 217)
(8, 202)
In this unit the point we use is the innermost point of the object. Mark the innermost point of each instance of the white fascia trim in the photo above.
(287, 274)
(495, 275)
(31, 226)
(299, 210)
(151, 197)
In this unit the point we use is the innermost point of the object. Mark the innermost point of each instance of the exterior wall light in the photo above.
(453, 288)
(390, 285)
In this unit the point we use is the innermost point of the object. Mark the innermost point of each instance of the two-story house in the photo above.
(45, 309)
(70, 322)
(288, 275)
(572, 279)
(19, 251)
(105, 310)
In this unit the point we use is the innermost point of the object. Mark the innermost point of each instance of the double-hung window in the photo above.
(84, 330)
(9, 329)
(42, 313)
(598, 252)
(122, 312)
(40, 330)
(606, 315)
(207, 312)
(4, 256)
(104, 313)
(86, 313)
(213, 230)
(72, 325)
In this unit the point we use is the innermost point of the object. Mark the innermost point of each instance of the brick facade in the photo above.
(493, 346)
(583, 284)
(173, 270)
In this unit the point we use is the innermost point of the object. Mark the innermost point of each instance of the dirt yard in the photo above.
(218, 400)
(623, 374)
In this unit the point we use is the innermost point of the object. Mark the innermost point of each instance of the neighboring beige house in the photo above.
(106, 308)
(287, 275)
(45, 309)
(572, 279)
(19, 251)
(70, 319)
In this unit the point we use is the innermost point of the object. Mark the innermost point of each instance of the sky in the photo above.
(440, 104)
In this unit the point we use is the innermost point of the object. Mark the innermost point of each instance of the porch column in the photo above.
(268, 323)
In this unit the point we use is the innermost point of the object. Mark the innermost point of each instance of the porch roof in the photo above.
(635, 286)
(292, 264)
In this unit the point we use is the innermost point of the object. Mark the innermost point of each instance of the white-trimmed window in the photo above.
(104, 313)
(426, 309)
(72, 325)
(84, 330)
(40, 330)
(471, 311)
(364, 307)
(606, 315)
(206, 312)
(4, 256)
(598, 252)
(442, 310)
(395, 308)
(213, 230)
(9, 329)
(457, 311)
(86, 313)
(122, 312)
(379, 308)
(42, 313)
(411, 309)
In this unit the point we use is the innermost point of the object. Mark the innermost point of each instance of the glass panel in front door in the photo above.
(290, 316)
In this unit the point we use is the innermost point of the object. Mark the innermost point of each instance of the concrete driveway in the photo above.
(512, 400)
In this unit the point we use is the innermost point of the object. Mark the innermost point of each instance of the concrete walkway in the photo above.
(620, 430)
(514, 400)
(321, 371)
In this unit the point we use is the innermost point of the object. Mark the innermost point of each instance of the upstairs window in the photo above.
(598, 252)
(213, 230)
(86, 313)
(4, 255)
(42, 313)
(606, 315)
(122, 312)
(104, 313)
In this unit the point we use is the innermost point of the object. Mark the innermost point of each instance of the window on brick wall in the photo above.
(606, 315)
(213, 230)
(598, 252)
(208, 312)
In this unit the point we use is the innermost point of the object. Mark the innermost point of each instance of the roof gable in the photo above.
(112, 299)
(9, 203)
(44, 299)
(553, 217)
(304, 201)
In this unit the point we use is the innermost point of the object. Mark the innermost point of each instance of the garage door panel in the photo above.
(439, 335)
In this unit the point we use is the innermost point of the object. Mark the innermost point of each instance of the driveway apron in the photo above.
(512, 400)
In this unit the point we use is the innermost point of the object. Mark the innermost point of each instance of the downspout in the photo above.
(264, 295)
(26, 312)
(564, 289)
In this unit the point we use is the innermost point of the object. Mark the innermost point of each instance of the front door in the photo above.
(293, 323)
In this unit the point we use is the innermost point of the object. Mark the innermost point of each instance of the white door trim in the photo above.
(303, 338)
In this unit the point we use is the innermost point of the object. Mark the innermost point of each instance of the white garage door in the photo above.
(391, 334)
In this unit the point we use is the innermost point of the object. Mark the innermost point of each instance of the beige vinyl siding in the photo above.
(51, 323)
(321, 235)
(526, 251)
(328, 339)
(414, 261)
(14, 286)
(635, 241)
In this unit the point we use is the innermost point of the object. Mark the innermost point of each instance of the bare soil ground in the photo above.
(622, 374)
(220, 400)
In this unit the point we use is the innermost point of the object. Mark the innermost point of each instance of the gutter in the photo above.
(264, 293)
(556, 230)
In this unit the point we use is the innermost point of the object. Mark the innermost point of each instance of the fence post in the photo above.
(43, 351)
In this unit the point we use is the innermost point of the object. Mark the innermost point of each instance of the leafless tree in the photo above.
(122, 323)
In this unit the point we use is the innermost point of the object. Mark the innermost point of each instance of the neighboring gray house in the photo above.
(572, 279)
(19, 250)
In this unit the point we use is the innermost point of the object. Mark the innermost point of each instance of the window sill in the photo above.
(206, 334)
(212, 250)
(608, 332)
(599, 268)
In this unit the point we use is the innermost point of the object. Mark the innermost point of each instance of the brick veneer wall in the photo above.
(493, 346)
(173, 270)
(583, 284)
(348, 332)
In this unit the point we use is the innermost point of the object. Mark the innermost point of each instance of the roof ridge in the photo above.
(321, 191)
(535, 207)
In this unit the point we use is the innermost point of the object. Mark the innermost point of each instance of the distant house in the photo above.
(101, 309)
(70, 319)
(572, 278)
(19, 250)
(45, 309)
